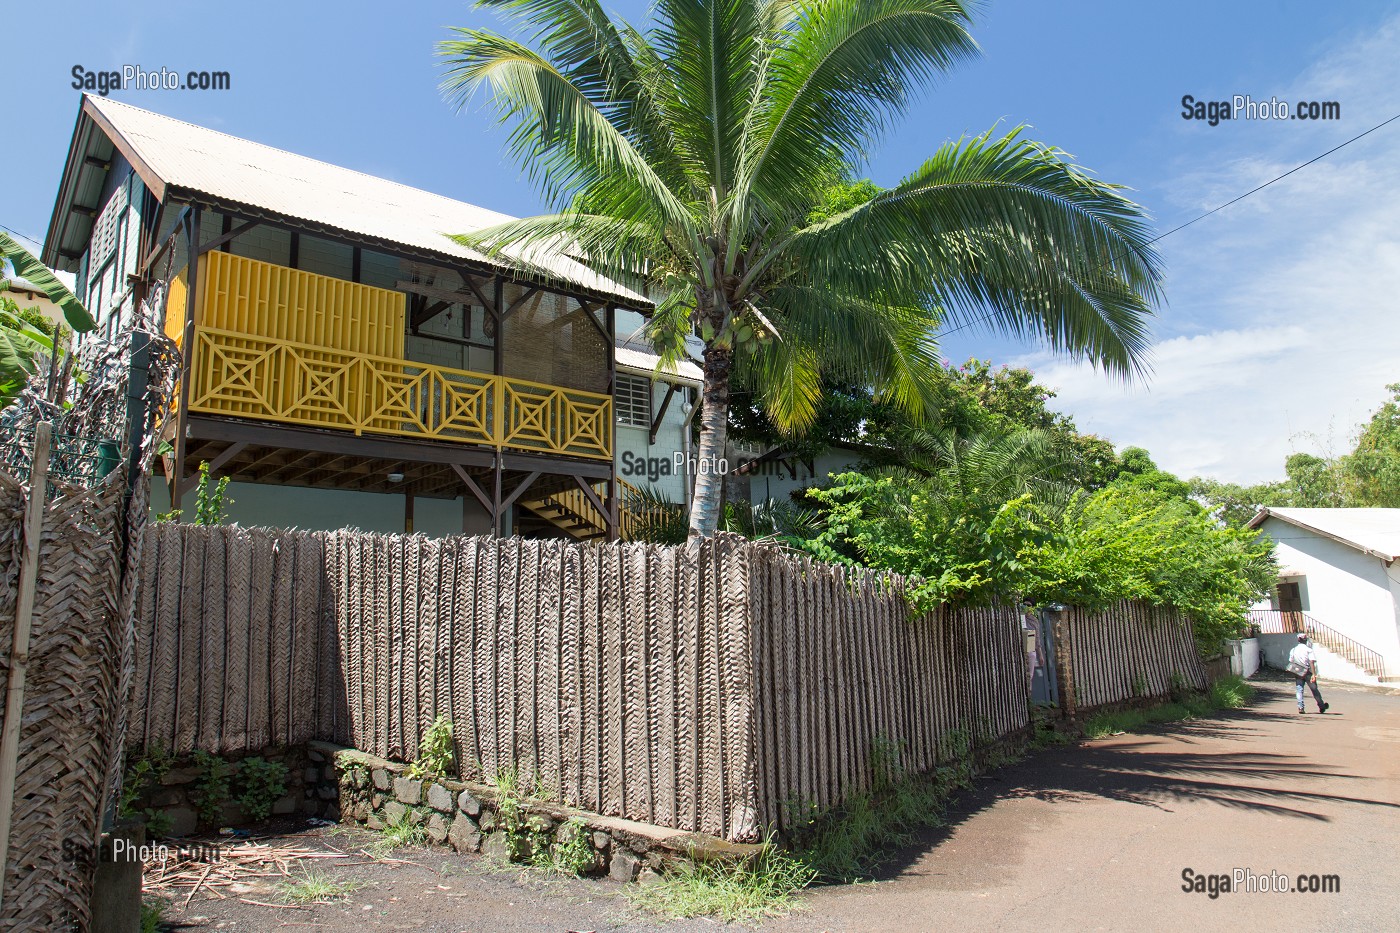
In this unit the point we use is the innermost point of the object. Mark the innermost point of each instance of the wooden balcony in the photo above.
(280, 345)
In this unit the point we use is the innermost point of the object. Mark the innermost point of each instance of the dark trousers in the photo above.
(1317, 694)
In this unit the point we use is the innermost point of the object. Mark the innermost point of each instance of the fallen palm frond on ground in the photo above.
(229, 870)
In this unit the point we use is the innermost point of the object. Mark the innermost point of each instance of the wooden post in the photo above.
(1064, 660)
(182, 417)
(19, 653)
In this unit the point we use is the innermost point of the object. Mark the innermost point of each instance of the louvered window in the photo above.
(633, 401)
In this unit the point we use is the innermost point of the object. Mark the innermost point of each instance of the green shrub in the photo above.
(436, 753)
(211, 789)
(263, 783)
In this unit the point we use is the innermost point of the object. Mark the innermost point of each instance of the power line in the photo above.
(22, 236)
(1214, 210)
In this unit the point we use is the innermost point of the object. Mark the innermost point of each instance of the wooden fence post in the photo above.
(1064, 664)
(19, 653)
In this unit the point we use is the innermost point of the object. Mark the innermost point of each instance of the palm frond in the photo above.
(1005, 230)
(560, 137)
(842, 69)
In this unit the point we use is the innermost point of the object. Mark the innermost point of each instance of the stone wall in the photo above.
(467, 816)
(173, 792)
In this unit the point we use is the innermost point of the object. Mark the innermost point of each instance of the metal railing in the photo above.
(1276, 622)
(74, 461)
(295, 383)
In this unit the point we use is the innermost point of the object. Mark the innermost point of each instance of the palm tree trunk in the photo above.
(714, 426)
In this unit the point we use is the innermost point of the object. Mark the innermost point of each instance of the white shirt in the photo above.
(1302, 655)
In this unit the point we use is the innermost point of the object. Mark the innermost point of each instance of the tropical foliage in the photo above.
(703, 159)
(995, 524)
(27, 341)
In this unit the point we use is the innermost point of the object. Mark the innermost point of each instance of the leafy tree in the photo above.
(689, 158)
(1371, 472)
(1136, 468)
(964, 525)
(975, 399)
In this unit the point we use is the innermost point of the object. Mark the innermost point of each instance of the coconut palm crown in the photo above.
(692, 158)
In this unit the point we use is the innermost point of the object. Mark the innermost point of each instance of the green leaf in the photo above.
(30, 268)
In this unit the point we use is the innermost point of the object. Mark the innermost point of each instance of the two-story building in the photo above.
(347, 363)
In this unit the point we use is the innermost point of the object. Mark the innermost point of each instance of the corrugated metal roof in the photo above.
(635, 359)
(237, 170)
(1375, 531)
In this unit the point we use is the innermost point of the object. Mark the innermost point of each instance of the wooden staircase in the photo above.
(564, 511)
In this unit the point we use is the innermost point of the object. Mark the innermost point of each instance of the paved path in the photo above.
(1096, 837)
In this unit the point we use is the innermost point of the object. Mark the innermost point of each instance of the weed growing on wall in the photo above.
(401, 833)
(573, 854)
(263, 783)
(436, 754)
(142, 772)
(211, 788)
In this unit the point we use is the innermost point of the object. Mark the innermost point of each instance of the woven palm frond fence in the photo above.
(1129, 651)
(707, 690)
(79, 652)
(73, 700)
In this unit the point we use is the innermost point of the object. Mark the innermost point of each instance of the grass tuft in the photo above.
(316, 888)
(1227, 693)
(152, 914)
(729, 892)
(399, 834)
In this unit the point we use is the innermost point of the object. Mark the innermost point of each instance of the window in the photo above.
(633, 401)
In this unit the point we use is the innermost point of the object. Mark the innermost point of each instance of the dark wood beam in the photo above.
(529, 293)
(591, 495)
(524, 485)
(473, 487)
(426, 312)
(341, 442)
(665, 404)
(229, 236)
(97, 162)
(470, 281)
(83, 209)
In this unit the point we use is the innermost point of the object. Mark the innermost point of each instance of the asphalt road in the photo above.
(1093, 837)
(1096, 837)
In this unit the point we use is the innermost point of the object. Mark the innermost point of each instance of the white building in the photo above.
(1339, 581)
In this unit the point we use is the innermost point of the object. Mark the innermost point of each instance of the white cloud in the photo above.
(1283, 326)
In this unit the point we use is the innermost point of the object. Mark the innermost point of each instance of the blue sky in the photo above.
(1279, 331)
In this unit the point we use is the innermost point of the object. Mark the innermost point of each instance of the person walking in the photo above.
(1302, 663)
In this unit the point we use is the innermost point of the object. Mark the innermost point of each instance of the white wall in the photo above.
(643, 463)
(780, 479)
(1343, 589)
(259, 505)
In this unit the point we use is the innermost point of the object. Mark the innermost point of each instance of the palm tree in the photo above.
(692, 159)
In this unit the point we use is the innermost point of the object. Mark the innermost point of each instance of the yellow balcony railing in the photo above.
(295, 383)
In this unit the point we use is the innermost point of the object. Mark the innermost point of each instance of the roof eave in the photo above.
(1265, 513)
(180, 195)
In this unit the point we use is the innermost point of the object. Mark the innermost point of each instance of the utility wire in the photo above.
(22, 236)
(1213, 210)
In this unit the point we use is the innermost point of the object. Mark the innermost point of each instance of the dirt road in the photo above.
(1094, 837)
(1097, 837)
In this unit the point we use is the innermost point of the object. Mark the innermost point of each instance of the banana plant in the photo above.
(22, 345)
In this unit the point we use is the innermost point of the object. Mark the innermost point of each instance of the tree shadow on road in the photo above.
(1171, 765)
